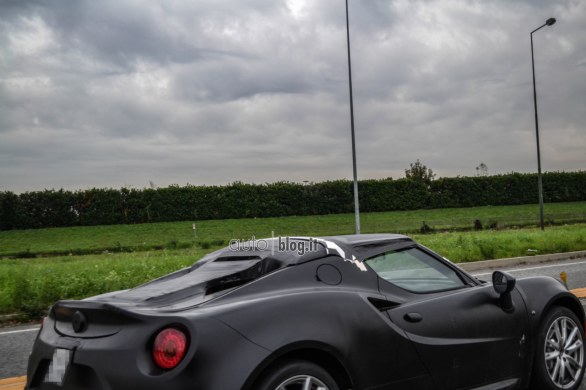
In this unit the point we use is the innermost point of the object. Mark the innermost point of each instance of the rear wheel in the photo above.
(559, 359)
(297, 375)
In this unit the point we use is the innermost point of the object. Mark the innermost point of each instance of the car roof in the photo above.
(271, 247)
(354, 240)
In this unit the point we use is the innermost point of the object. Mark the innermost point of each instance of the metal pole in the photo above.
(548, 22)
(356, 205)
(539, 181)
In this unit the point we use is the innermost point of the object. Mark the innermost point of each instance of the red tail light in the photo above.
(169, 348)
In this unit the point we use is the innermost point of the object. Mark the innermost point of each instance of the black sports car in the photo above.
(350, 312)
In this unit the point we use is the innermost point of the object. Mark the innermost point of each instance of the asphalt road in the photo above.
(575, 270)
(16, 343)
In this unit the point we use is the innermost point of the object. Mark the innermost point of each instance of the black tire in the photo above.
(292, 374)
(559, 365)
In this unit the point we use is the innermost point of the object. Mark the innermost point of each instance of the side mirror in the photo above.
(503, 284)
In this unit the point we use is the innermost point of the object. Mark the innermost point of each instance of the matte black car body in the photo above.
(248, 310)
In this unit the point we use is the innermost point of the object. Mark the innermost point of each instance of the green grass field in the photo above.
(175, 235)
(30, 285)
(497, 244)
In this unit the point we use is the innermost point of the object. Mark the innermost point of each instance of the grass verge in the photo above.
(30, 286)
(494, 244)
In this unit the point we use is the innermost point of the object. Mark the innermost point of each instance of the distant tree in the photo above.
(419, 172)
(482, 170)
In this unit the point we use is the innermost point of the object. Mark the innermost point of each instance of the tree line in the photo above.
(107, 206)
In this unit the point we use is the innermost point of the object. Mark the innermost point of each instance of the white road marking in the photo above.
(19, 331)
(532, 268)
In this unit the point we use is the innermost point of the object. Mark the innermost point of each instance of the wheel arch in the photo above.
(318, 354)
(542, 293)
(568, 301)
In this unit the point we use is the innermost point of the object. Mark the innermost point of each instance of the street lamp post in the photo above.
(356, 206)
(548, 22)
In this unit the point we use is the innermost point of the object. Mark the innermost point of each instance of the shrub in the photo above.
(477, 224)
(106, 206)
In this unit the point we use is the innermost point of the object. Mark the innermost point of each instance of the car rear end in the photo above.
(91, 345)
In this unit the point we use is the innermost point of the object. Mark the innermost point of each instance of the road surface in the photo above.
(16, 344)
(575, 270)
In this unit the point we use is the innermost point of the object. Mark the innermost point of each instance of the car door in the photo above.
(461, 333)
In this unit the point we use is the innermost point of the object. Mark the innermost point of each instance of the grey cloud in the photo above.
(116, 93)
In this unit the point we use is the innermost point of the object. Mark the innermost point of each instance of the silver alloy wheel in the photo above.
(564, 352)
(302, 382)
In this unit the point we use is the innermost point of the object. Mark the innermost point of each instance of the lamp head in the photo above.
(550, 21)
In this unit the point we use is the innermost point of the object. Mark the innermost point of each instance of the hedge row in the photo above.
(98, 206)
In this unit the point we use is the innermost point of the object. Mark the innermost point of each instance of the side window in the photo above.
(415, 271)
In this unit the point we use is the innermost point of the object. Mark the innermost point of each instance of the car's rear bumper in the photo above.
(123, 360)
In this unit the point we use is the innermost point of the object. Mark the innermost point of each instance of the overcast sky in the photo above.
(116, 93)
